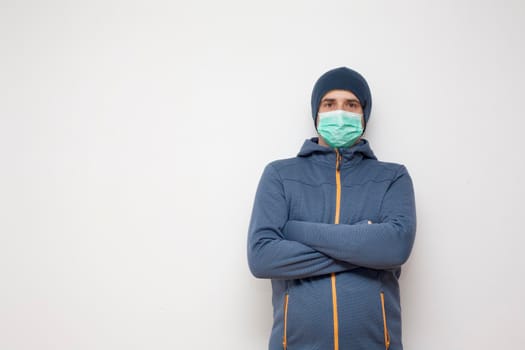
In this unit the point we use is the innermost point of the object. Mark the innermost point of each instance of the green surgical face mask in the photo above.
(340, 128)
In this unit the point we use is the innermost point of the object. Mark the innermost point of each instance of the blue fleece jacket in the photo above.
(335, 285)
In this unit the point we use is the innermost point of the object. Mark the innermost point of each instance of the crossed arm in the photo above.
(278, 248)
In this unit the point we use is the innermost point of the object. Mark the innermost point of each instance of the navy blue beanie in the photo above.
(342, 78)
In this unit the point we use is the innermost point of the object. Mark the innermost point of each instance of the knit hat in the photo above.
(342, 78)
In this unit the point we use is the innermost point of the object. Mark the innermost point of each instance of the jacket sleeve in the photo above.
(383, 245)
(269, 254)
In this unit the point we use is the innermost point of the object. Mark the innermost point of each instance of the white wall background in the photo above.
(133, 135)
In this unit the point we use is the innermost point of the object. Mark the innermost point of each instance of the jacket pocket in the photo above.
(285, 340)
(385, 326)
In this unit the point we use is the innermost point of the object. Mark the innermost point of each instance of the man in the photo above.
(331, 229)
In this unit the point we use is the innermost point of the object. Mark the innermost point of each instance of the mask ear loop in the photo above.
(364, 120)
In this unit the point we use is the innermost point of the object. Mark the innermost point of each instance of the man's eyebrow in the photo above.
(333, 100)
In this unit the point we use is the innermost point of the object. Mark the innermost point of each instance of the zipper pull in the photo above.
(339, 159)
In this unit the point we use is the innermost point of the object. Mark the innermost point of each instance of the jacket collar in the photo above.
(350, 155)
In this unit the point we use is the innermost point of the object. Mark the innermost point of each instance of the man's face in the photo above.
(339, 99)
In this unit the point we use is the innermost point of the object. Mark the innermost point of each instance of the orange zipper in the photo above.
(385, 328)
(285, 342)
(338, 187)
(334, 307)
(336, 221)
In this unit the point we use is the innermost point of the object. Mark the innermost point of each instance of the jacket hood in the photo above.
(351, 155)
